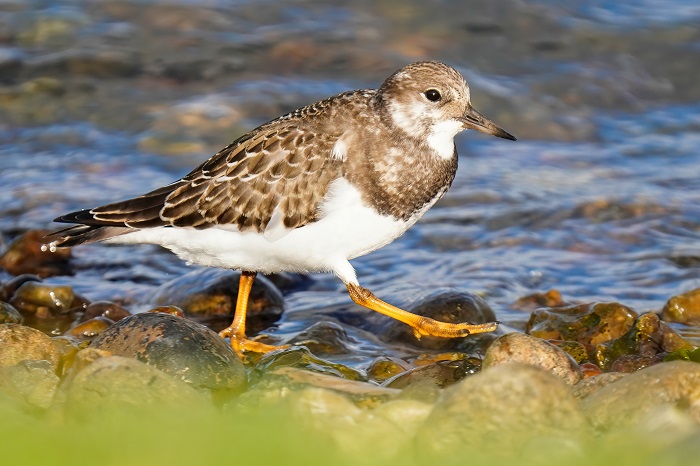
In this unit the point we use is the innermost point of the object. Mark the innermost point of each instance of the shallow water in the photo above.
(598, 198)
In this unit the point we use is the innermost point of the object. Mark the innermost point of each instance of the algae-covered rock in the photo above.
(646, 343)
(589, 324)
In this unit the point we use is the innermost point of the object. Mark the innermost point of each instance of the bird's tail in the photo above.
(82, 234)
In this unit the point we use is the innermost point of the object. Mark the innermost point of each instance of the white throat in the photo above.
(442, 137)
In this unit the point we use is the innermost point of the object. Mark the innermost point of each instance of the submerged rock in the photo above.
(445, 305)
(589, 324)
(90, 329)
(177, 346)
(26, 255)
(10, 287)
(8, 314)
(208, 296)
(324, 338)
(439, 374)
(522, 348)
(551, 298)
(384, 368)
(47, 307)
(106, 309)
(301, 358)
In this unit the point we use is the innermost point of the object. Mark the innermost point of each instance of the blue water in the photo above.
(598, 198)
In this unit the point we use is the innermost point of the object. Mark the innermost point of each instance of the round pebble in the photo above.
(180, 347)
(522, 348)
(19, 343)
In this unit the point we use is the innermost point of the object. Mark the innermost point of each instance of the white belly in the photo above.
(346, 229)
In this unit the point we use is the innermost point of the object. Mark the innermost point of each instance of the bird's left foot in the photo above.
(427, 326)
(421, 325)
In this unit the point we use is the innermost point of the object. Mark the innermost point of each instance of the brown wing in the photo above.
(285, 168)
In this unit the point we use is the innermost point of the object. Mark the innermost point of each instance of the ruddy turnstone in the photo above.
(309, 191)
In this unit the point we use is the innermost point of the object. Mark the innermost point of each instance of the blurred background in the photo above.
(598, 199)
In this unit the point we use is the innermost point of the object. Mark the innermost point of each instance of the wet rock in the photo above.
(208, 296)
(25, 255)
(106, 309)
(324, 338)
(19, 343)
(80, 359)
(445, 305)
(526, 349)
(590, 385)
(31, 382)
(300, 357)
(361, 393)
(9, 288)
(50, 26)
(683, 308)
(384, 368)
(589, 324)
(629, 400)
(287, 282)
(574, 349)
(501, 409)
(49, 308)
(646, 343)
(551, 298)
(439, 374)
(205, 121)
(69, 348)
(118, 384)
(386, 430)
(11, 63)
(589, 369)
(8, 314)
(684, 355)
(32, 296)
(172, 310)
(86, 62)
(608, 210)
(177, 346)
(90, 329)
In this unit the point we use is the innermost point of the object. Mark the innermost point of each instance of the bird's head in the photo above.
(431, 100)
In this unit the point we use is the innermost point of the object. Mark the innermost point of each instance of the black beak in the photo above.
(475, 120)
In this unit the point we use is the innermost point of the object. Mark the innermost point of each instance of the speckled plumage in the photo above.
(392, 148)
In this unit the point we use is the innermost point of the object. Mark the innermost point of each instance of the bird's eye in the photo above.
(433, 95)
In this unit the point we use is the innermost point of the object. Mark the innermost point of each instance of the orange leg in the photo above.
(420, 325)
(236, 331)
